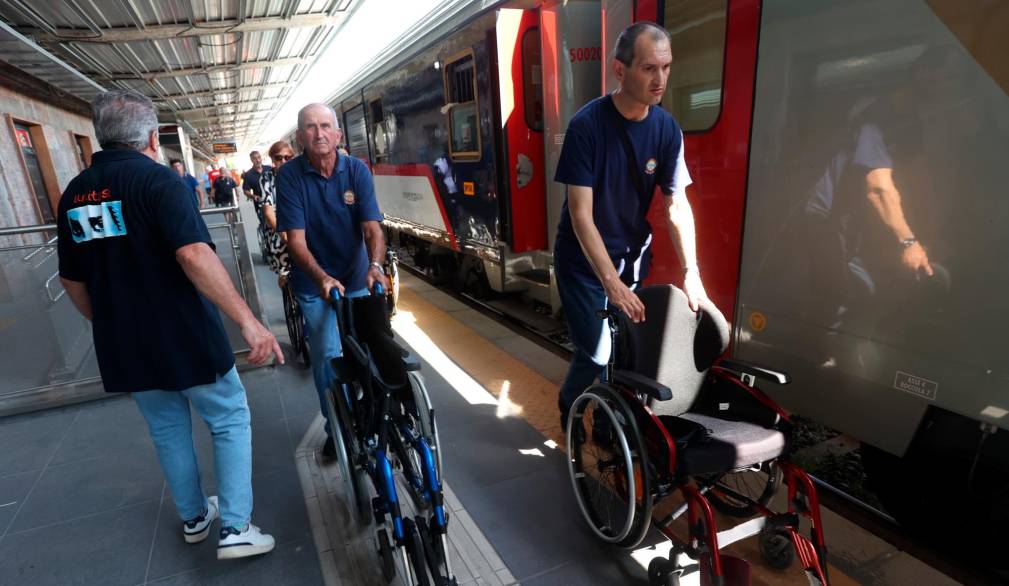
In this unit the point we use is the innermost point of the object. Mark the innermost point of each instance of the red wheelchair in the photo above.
(673, 417)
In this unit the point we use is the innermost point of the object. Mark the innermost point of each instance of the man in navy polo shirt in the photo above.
(180, 170)
(136, 259)
(326, 204)
(603, 239)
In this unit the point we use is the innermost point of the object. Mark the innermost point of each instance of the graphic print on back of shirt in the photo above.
(90, 222)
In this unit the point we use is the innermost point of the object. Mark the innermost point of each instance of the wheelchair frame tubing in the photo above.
(387, 483)
(812, 551)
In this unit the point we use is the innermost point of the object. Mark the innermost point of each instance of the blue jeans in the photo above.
(590, 335)
(323, 341)
(222, 406)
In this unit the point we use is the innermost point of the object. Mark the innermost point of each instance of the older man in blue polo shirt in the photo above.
(617, 150)
(326, 204)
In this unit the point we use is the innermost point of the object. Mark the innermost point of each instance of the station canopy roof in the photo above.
(218, 68)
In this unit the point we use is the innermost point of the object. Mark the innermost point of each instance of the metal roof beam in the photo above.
(216, 106)
(246, 89)
(174, 31)
(152, 75)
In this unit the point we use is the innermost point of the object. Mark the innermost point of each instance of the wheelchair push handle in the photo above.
(377, 289)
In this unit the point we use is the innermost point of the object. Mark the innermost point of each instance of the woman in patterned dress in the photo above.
(276, 243)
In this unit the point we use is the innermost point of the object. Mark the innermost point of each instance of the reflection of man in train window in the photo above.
(603, 238)
(883, 210)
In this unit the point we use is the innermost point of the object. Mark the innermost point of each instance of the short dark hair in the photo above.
(173, 161)
(253, 153)
(624, 49)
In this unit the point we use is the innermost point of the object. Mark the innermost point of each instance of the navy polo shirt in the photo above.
(120, 223)
(594, 156)
(330, 211)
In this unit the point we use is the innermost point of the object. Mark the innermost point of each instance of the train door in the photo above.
(520, 81)
(570, 36)
(710, 92)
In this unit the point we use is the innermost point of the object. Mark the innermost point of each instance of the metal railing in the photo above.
(47, 357)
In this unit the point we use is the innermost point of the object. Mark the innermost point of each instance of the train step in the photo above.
(539, 277)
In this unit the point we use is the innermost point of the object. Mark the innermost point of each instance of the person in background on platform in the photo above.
(191, 181)
(326, 204)
(213, 172)
(137, 260)
(602, 251)
(277, 256)
(224, 190)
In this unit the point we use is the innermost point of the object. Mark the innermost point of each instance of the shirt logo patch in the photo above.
(97, 221)
(650, 166)
(349, 198)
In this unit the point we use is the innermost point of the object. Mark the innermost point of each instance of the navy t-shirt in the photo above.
(330, 211)
(120, 223)
(251, 180)
(593, 156)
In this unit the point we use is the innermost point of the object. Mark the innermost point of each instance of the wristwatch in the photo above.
(908, 242)
(689, 268)
(377, 265)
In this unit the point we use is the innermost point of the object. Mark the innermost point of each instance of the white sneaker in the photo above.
(240, 544)
(196, 530)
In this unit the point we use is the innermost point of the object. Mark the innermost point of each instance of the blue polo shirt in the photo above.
(330, 211)
(594, 156)
(193, 185)
(119, 225)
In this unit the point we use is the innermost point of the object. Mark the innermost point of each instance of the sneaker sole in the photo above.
(242, 551)
(198, 537)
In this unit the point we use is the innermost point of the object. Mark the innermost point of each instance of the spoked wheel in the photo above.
(608, 465)
(418, 413)
(295, 325)
(735, 492)
(351, 459)
(415, 552)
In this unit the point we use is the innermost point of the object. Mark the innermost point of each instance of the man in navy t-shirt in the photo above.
(603, 239)
(326, 204)
(198, 194)
(136, 259)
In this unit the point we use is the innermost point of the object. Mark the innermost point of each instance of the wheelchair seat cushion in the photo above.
(673, 346)
(727, 445)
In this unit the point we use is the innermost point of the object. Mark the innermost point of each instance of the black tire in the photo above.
(415, 552)
(611, 482)
(776, 548)
(352, 457)
(662, 572)
(754, 485)
(295, 325)
(433, 553)
(385, 555)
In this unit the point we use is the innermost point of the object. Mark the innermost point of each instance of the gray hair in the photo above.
(301, 114)
(123, 119)
(624, 49)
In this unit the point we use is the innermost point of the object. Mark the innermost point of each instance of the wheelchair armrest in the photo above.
(410, 362)
(642, 384)
(741, 367)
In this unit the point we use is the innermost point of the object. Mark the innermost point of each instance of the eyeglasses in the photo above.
(284, 158)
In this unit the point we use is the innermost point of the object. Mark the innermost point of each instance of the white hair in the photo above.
(123, 119)
(332, 112)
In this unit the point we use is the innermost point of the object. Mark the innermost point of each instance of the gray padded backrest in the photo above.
(674, 345)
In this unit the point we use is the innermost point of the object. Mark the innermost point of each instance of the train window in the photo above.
(380, 142)
(83, 150)
(464, 127)
(357, 132)
(697, 28)
(532, 79)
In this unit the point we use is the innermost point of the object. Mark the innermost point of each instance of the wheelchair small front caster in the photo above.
(776, 548)
(663, 572)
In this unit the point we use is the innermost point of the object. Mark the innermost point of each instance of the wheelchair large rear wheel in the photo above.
(608, 465)
(295, 325)
(351, 456)
(419, 416)
(735, 492)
